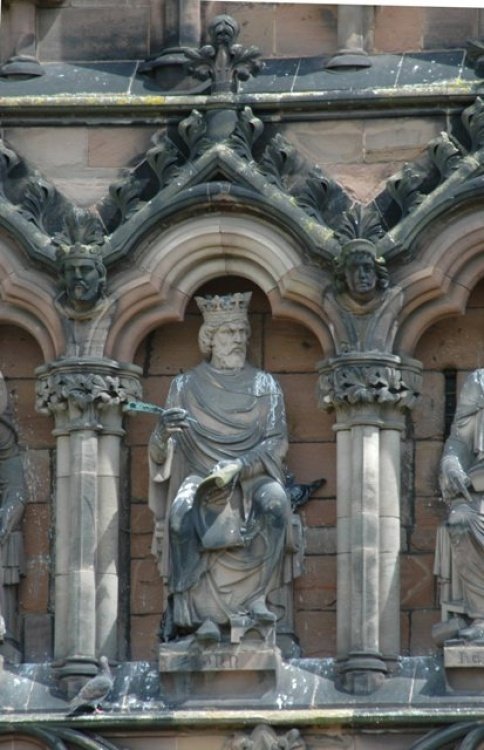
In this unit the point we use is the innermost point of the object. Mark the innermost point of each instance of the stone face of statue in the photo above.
(83, 282)
(361, 277)
(229, 345)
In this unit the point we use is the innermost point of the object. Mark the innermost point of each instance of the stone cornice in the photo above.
(158, 109)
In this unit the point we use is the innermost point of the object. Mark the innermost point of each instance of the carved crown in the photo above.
(78, 250)
(224, 308)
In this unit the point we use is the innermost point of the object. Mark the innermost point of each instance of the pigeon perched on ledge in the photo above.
(300, 493)
(92, 694)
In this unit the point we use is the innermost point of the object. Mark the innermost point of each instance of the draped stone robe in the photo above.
(464, 451)
(224, 549)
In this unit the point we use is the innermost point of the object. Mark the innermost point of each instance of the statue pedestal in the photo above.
(464, 666)
(192, 673)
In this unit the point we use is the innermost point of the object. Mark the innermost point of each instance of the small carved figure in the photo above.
(217, 483)
(462, 484)
(362, 306)
(82, 302)
(13, 496)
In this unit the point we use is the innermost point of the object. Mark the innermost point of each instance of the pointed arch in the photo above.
(26, 297)
(174, 263)
(439, 282)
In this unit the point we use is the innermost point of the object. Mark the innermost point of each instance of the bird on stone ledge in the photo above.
(91, 695)
(300, 493)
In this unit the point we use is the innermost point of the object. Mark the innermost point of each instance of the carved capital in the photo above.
(263, 736)
(82, 391)
(368, 379)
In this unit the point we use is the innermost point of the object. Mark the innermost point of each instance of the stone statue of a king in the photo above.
(217, 483)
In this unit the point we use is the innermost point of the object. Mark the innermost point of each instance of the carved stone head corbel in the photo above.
(82, 301)
(360, 273)
(361, 305)
(82, 275)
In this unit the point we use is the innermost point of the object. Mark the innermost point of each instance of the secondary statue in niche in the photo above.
(462, 484)
(217, 483)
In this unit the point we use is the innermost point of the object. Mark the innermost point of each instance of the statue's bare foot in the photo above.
(261, 613)
(208, 632)
(475, 631)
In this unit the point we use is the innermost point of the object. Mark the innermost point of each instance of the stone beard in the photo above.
(225, 546)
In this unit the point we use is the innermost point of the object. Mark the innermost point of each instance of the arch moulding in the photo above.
(26, 300)
(439, 283)
(169, 267)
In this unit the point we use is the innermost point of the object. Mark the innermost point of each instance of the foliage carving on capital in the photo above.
(263, 737)
(83, 393)
(352, 383)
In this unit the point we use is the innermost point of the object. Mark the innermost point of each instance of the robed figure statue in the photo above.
(462, 484)
(217, 483)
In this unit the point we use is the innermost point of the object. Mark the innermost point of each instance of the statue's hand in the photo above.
(459, 483)
(174, 420)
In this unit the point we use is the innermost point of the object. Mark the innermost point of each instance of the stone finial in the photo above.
(223, 61)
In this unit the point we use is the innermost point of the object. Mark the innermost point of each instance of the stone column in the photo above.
(86, 398)
(354, 22)
(370, 393)
(182, 23)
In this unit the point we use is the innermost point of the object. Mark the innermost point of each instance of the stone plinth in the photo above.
(464, 666)
(191, 673)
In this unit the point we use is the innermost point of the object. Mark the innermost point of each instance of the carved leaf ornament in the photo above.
(55, 392)
(366, 385)
(303, 194)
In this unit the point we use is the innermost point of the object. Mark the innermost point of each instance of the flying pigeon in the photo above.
(92, 694)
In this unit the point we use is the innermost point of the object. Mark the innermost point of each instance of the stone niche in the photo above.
(288, 351)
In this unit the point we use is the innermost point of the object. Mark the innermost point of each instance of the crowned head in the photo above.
(225, 331)
(82, 273)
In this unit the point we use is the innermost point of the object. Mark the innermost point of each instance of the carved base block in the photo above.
(74, 673)
(361, 673)
(192, 673)
(464, 666)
